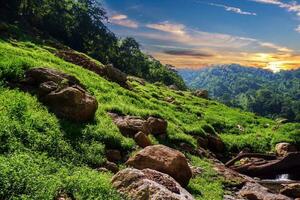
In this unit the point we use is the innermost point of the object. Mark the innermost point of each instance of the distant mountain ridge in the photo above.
(253, 89)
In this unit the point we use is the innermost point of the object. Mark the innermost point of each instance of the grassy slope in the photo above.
(41, 154)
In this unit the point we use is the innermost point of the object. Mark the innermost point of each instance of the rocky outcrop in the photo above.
(148, 184)
(108, 71)
(62, 93)
(165, 160)
(284, 148)
(254, 191)
(131, 125)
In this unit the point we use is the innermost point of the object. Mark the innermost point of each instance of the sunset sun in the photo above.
(275, 66)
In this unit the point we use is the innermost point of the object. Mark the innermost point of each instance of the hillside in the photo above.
(43, 155)
(257, 90)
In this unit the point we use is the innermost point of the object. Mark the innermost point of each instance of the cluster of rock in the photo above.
(201, 93)
(139, 128)
(62, 93)
(158, 172)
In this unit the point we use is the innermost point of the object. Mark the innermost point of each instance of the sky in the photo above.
(200, 33)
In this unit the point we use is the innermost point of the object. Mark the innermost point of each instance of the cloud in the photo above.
(191, 38)
(187, 53)
(122, 20)
(177, 29)
(233, 9)
(298, 29)
(292, 6)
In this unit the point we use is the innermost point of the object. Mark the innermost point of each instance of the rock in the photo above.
(173, 87)
(64, 196)
(37, 76)
(201, 93)
(283, 148)
(72, 103)
(130, 125)
(157, 126)
(254, 191)
(291, 190)
(113, 167)
(137, 79)
(170, 100)
(202, 142)
(215, 143)
(116, 75)
(62, 93)
(142, 139)
(109, 72)
(196, 171)
(113, 155)
(148, 184)
(47, 87)
(165, 160)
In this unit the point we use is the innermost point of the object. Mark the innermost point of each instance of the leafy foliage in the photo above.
(256, 90)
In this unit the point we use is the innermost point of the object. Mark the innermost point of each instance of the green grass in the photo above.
(70, 151)
(208, 185)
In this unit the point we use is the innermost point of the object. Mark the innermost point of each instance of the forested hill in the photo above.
(257, 90)
(81, 26)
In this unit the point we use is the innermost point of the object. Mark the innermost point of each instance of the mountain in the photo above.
(257, 90)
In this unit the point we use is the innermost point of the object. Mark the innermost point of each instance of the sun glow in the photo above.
(275, 66)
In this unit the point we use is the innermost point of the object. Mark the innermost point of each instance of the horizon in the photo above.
(201, 33)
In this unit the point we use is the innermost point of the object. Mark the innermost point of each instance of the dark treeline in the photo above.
(80, 25)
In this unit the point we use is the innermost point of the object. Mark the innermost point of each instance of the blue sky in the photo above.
(197, 33)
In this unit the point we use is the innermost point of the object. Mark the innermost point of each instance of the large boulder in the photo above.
(63, 93)
(72, 103)
(165, 160)
(284, 148)
(148, 184)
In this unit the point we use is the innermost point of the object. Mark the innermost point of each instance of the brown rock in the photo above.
(215, 143)
(284, 148)
(142, 139)
(72, 103)
(115, 75)
(157, 126)
(130, 125)
(113, 167)
(36, 76)
(291, 190)
(254, 191)
(202, 142)
(63, 94)
(165, 160)
(113, 155)
(148, 184)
